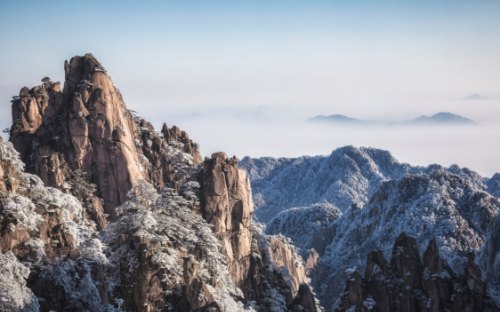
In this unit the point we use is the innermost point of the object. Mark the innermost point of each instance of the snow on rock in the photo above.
(490, 260)
(378, 198)
(302, 223)
(50, 232)
(159, 237)
(440, 205)
(493, 185)
(14, 294)
(348, 176)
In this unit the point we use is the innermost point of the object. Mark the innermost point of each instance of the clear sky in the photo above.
(261, 64)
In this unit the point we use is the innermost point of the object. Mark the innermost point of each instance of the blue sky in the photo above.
(282, 59)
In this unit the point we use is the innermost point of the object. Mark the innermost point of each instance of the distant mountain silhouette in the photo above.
(441, 118)
(475, 96)
(342, 119)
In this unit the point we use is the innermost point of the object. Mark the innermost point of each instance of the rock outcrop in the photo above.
(121, 217)
(52, 235)
(265, 268)
(31, 214)
(284, 256)
(86, 126)
(411, 283)
(227, 204)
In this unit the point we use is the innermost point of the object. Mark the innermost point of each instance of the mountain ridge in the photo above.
(111, 215)
(446, 204)
(440, 118)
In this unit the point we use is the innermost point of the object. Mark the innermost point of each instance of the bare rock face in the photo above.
(227, 204)
(305, 300)
(409, 284)
(266, 268)
(285, 257)
(166, 159)
(312, 260)
(85, 127)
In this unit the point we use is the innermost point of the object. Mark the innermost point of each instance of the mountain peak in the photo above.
(88, 127)
(475, 96)
(334, 118)
(442, 118)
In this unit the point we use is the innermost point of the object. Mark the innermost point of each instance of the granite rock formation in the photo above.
(412, 283)
(86, 126)
(120, 217)
(227, 204)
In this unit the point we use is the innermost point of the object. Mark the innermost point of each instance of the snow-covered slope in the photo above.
(378, 198)
(348, 176)
(46, 235)
(493, 185)
(158, 234)
(159, 254)
(302, 223)
(441, 205)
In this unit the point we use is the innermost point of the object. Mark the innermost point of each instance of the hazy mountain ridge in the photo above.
(475, 97)
(441, 118)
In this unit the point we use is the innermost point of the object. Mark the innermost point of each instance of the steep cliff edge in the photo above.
(87, 126)
(227, 204)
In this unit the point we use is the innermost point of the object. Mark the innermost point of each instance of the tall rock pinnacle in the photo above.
(86, 126)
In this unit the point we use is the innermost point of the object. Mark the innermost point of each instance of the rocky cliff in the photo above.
(120, 217)
(263, 267)
(413, 283)
(86, 126)
(227, 204)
